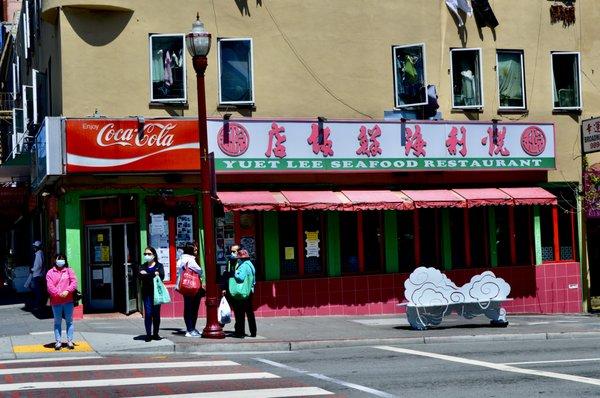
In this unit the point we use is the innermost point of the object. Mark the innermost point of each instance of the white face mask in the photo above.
(60, 263)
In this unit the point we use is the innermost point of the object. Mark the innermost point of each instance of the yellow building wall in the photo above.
(319, 58)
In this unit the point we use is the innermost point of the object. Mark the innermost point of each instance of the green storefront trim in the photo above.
(334, 261)
(446, 240)
(492, 236)
(537, 235)
(271, 246)
(391, 241)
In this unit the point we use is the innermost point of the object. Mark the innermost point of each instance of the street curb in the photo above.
(573, 335)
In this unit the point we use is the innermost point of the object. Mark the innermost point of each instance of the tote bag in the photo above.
(161, 294)
(189, 282)
(240, 291)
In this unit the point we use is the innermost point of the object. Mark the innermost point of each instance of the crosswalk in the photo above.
(144, 377)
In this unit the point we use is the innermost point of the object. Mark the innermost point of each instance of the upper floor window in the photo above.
(566, 80)
(466, 73)
(410, 79)
(236, 72)
(511, 79)
(167, 68)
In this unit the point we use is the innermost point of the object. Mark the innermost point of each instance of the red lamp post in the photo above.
(198, 45)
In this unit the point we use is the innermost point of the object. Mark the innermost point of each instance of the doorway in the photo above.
(112, 258)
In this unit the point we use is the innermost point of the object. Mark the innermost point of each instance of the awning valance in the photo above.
(531, 196)
(353, 200)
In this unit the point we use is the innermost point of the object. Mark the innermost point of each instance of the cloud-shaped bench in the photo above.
(431, 296)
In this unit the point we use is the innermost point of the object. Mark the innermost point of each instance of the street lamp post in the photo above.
(198, 45)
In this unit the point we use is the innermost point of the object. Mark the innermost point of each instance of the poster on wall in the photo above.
(159, 239)
(224, 233)
(249, 243)
(185, 230)
(167, 68)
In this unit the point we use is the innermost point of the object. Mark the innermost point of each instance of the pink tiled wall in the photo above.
(543, 289)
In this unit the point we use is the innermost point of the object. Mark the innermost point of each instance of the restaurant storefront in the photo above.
(336, 214)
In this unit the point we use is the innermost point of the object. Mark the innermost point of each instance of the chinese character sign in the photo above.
(495, 141)
(276, 133)
(320, 140)
(452, 142)
(415, 141)
(369, 144)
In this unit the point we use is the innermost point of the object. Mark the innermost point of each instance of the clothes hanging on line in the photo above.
(455, 5)
(484, 16)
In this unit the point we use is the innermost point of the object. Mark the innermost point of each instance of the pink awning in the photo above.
(531, 196)
(485, 197)
(379, 200)
(431, 198)
(317, 200)
(252, 200)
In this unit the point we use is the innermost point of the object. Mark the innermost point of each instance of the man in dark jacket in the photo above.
(229, 271)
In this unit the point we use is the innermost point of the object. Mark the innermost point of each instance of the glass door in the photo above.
(100, 268)
(131, 263)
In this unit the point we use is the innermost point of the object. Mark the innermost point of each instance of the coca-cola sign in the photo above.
(125, 145)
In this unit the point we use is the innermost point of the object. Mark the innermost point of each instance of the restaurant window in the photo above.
(502, 235)
(524, 235)
(236, 72)
(410, 79)
(566, 80)
(511, 79)
(167, 68)
(288, 242)
(457, 237)
(406, 241)
(479, 234)
(373, 240)
(349, 241)
(566, 232)
(547, 229)
(313, 242)
(430, 233)
(466, 73)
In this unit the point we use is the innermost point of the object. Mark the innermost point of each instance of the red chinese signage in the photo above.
(106, 146)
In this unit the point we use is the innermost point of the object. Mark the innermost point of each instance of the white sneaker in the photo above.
(188, 334)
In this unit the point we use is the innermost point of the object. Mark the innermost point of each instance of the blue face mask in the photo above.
(148, 258)
(60, 263)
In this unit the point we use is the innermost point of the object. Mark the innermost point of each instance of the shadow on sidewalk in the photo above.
(450, 327)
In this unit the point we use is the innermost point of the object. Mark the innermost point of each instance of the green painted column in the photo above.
(390, 226)
(72, 234)
(537, 235)
(446, 240)
(492, 235)
(271, 246)
(143, 221)
(334, 263)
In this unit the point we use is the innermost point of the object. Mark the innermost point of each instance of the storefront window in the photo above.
(502, 235)
(524, 235)
(430, 236)
(288, 243)
(457, 237)
(374, 242)
(349, 241)
(312, 226)
(478, 231)
(406, 241)
(547, 233)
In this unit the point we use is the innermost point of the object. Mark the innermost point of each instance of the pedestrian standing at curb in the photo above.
(191, 304)
(229, 271)
(37, 275)
(148, 271)
(62, 282)
(243, 307)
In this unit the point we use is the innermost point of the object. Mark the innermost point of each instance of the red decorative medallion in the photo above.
(533, 141)
(238, 140)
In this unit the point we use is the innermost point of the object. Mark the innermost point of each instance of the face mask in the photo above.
(148, 258)
(60, 263)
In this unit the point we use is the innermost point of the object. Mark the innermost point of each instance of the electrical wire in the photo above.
(309, 69)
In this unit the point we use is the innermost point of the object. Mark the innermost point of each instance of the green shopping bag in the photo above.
(240, 291)
(161, 294)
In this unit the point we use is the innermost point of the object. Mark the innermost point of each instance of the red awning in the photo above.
(531, 196)
(432, 198)
(317, 200)
(252, 200)
(485, 197)
(379, 200)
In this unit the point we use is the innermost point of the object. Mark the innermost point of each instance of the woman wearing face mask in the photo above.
(61, 282)
(191, 304)
(148, 271)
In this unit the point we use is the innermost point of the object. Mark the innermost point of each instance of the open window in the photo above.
(236, 71)
(410, 78)
(511, 79)
(167, 68)
(466, 73)
(566, 80)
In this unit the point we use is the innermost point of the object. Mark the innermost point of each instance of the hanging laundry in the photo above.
(484, 16)
(455, 5)
(168, 77)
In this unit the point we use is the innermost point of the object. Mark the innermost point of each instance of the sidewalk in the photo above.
(105, 335)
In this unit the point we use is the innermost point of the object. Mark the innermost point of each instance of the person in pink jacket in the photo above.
(61, 282)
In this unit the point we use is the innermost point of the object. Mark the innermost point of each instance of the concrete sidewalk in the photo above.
(20, 331)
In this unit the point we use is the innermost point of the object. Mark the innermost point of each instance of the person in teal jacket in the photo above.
(242, 308)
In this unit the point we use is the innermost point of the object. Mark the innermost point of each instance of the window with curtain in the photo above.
(466, 78)
(566, 83)
(236, 80)
(511, 81)
(167, 68)
(410, 81)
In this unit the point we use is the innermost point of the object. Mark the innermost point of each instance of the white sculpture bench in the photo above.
(431, 296)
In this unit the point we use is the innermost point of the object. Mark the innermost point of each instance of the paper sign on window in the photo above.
(312, 243)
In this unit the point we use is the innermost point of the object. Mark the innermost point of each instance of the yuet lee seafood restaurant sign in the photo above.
(125, 145)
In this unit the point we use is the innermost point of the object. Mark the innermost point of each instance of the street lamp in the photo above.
(198, 45)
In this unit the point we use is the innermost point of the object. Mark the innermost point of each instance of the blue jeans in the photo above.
(66, 310)
(151, 315)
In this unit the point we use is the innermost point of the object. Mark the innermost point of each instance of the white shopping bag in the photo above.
(224, 313)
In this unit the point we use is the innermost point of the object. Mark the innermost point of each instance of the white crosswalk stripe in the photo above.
(191, 378)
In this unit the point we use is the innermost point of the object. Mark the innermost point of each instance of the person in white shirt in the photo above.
(37, 274)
